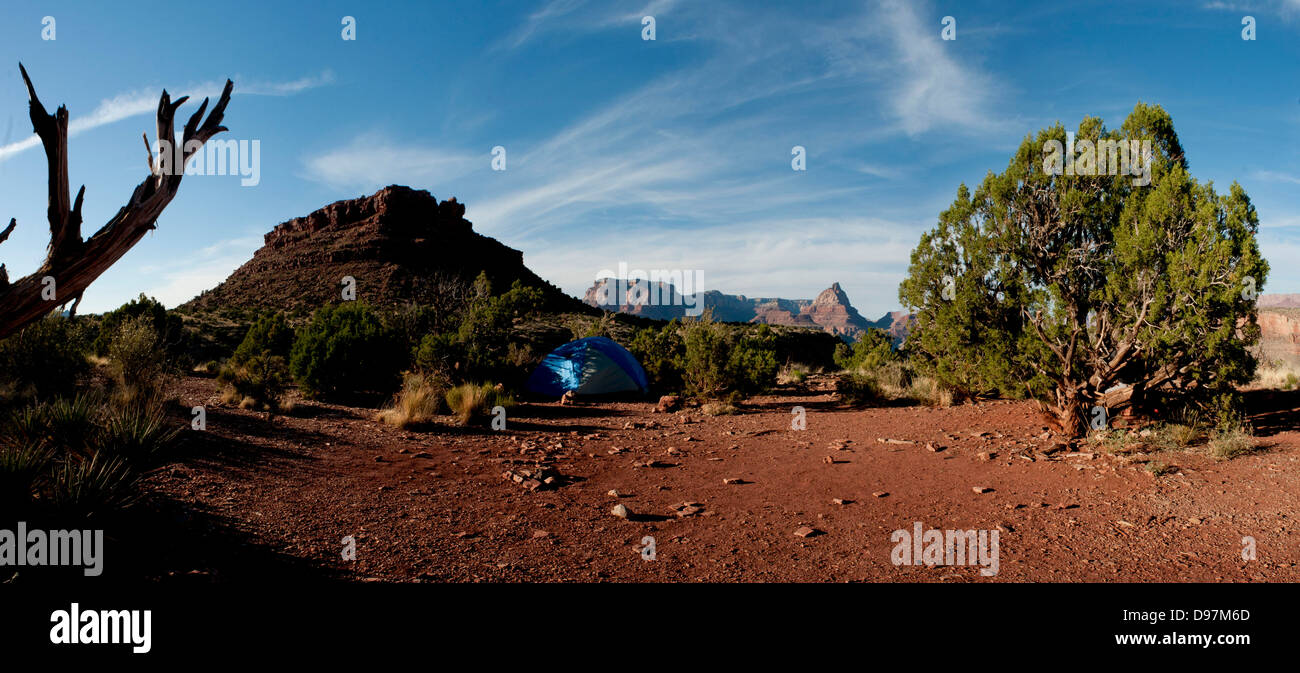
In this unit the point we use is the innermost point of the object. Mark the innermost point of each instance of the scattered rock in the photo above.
(840, 501)
(668, 403)
(981, 489)
(614, 494)
(986, 456)
(620, 511)
(806, 531)
(733, 481)
(880, 494)
(568, 398)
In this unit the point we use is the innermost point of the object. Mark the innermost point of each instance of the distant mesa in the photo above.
(399, 244)
(830, 311)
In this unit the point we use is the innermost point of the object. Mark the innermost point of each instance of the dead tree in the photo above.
(71, 264)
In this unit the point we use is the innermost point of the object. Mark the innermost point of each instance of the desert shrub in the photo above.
(260, 382)
(166, 325)
(480, 347)
(484, 332)
(1158, 469)
(270, 335)
(440, 355)
(44, 359)
(1226, 444)
(872, 350)
(94, 487)
(420, 400)
(858, 389)
(661, 353)
(473, 403)
(138, 434)
(137, 361)
(345, 349)
(721, 361)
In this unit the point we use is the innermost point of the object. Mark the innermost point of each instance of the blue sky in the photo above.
(672, 153)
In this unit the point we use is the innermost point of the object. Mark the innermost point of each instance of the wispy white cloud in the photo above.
(145, 101)
(179, 281)
(373, 160)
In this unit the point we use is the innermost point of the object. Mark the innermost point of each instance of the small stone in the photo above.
(620, 511)
(806, 531)
(828, 460)
(840, 501)
(733, 481)
(880, 494)
(985, 456)
(538, 534)
(613, 494)
(981, 489)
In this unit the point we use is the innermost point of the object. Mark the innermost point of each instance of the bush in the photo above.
(858, 389)
(270, 335)
(661, 353)
(137, 360)
(472, 403)
(872, 350)
(420, 400)
(721, 361)
(45, 359)
(167, 326)
(484, 332)
(345, 349)
(440, 355)
(258, 383)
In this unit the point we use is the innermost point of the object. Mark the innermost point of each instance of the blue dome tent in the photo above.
(591, 366)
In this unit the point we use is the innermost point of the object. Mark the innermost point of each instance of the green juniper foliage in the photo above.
(1089, 290)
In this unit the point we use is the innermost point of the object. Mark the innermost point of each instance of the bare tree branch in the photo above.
(73, 263)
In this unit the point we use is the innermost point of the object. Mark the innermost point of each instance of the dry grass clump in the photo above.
(472, 403)
(1230, 443)
(718, 409)
(419, 402)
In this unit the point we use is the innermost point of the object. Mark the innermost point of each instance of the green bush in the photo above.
(260, 382)
(44, 359)
(168, 326)
(346, 349)
(270, 335)
(661, 353)
(720, 361)
(874, 349)
(137, 360)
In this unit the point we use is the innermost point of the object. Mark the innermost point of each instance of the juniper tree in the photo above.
(1092, 290)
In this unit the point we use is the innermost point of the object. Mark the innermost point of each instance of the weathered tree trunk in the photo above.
(71, 263)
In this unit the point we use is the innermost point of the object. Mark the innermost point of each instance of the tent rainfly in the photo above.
(591, 366)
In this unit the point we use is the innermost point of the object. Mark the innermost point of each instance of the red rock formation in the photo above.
(399, 244)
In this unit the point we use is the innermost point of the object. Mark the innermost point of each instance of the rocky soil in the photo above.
(741, 498)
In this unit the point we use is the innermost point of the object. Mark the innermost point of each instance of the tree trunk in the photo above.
(72, 264)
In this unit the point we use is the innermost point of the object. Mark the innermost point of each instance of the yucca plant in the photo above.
(93, 487)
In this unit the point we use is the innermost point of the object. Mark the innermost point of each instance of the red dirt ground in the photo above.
(433, 505)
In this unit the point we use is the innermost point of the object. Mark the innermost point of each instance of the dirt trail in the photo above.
(434, 505)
